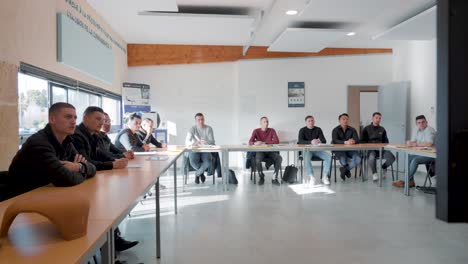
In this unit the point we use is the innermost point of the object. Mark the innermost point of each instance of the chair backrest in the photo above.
(3, 185)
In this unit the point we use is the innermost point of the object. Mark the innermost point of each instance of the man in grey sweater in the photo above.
(200, 135)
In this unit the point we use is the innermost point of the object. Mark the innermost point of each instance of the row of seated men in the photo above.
(424, 136)
(64, 154)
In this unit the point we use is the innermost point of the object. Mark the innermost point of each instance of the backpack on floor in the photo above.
(290, 174)
(232, 177)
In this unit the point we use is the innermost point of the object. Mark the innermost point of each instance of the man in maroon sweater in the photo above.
(262, 136)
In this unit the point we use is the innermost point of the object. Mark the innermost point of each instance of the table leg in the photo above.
(225, 165)
(175, 187)
(397, 165)
(108, 249)
(381, 171)
(158, 222)
(407, 191)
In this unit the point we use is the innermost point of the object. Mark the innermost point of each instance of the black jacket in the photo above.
(339, 136)
(141, 134)
(105, 144)
(38, 163)
(374, 134)
(126, 140)
(306, 135)
(87, 145)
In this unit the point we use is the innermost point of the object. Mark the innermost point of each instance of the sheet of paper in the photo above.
(134, 165)
(149, 153)
(159, 158)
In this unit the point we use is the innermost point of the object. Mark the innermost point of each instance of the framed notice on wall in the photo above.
(136, 97)
(296, 94)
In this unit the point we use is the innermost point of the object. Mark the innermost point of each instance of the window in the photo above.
(59, 94)
(38, 89)
(112, 107)
(81, 100)
(33, 104)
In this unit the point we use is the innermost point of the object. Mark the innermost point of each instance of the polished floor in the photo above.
(349, 222)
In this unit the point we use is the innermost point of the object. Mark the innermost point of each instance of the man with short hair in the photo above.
(86, 141)
(375, 133)
(145, 134)
(127, 138)
(345, 134)
(106, 144)
(313, 135)
(423, 136)
(200, 135)
(49, 156)
(261, 136)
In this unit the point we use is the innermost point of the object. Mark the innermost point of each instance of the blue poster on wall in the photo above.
(296, 94)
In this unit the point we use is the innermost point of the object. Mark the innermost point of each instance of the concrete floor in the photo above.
(350, 222)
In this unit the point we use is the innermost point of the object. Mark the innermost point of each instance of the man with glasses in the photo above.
(106, 144)
(423, 136)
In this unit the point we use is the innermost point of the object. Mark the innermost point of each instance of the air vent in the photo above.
(204, 10)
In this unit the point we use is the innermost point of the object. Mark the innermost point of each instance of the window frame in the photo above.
(60, 81)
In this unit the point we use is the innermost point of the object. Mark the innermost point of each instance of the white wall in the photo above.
(326, 80)
(415, 61)
(369, 105)
(233, 96)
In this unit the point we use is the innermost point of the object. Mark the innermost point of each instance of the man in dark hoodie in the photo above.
(86, 141)
(49, 156)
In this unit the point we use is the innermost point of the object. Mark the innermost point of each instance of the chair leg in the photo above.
(334, 160)
(425, 181)
(321, 170)
(355, 172)
(393, 175)
(302, 173)
(430, 181)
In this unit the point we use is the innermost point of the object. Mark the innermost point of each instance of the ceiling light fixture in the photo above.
(291, 12)
(351, 34)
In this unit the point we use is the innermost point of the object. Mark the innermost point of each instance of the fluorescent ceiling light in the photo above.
(351, 34)
(291, 12)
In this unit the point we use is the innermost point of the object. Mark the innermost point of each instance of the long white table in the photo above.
(411, 151)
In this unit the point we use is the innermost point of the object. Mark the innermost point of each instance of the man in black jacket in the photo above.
(145, 134)
(49, 156)
(374, 133)
(344, 134)
(86, 141)
(313, 135)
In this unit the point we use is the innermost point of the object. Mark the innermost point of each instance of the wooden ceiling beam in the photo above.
(158, 54)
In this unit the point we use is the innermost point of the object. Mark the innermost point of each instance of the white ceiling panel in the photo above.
(306, 39)
(189, 29)
(119, 6)
(419, 27)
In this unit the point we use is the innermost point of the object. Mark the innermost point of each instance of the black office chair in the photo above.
(335, 158)
(3, 185)
(365, 160)
(301, 160)
(214, 168)
(253, 168)
(430, 168)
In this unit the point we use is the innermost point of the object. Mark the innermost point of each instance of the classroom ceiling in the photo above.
(262, 22)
